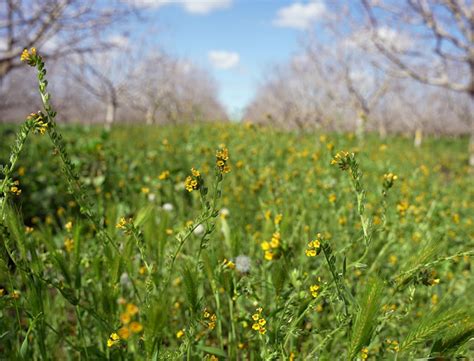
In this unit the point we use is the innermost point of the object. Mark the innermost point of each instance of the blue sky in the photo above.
(236, 40)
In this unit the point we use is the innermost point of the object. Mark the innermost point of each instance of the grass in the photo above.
(105, 255)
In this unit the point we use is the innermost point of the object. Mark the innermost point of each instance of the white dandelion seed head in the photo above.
(199, 230)
(224, 212)
(168, 207)
(242, 263)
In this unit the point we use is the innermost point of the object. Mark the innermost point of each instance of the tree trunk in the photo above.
(149, 116)
(110, 115)
(382, 130)
(360, 126)
(418, 137)
(471, 144)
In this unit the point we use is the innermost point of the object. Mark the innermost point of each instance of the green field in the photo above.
(231, 241)
(402, 258)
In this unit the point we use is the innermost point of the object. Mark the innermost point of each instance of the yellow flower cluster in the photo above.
(270, 247)
(259, 321)
(122, 223)
(364, 353)
(342, 159)
(392, 345)
(228, 264)
(314, 247)
(222, 157)
(129, 327)
(193, 181)
(15, 189)
(388, 180)
(164, 175)
(210, 319)
(114, 339)
(29, 57)
(69, 244)
(314, 290)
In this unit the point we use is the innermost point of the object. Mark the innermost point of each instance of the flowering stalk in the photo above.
(33, 59)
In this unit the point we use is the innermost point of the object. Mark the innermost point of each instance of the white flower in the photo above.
(151, 197)
(242, 264)
(125, 280)
(199, 230)
(224, 212)
(168, 207)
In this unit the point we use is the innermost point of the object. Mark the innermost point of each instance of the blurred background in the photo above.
(384, 66)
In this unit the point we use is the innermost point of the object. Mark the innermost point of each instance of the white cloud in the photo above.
(223, 59)
(300, 15)
(200, 7)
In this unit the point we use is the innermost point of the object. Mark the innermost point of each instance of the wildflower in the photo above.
(343, 159)
(15, 189)
(314, 290)
(314, 247)
(269, 255)
(194, 181)
(40, 122)
(164, 175)
(199, 230)
(132, 309)
(114, 338)
(332, 198)
(229, 264)
(180, 333)
(145, 190)
(278, 219)
(69, 245)
(402, 207)
(168, 207)
(392, 345)
(259, 322)
(169, 231)
(125, 318)
(224, 212)
(388, 180)
(68, 226)
(29, 229)
(364, 353)
(122, 223)
(275, 242)
(16, 294)
(136, 327)
(222, 157)
(29, 57)
(124, 333)
(242, 264)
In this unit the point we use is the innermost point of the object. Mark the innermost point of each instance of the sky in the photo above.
(236, 40)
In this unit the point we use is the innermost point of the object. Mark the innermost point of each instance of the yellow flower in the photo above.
(332, 198)
(164, 175)
(222, 157)
(278, 218)
(28, 56)
(69, 245)
(124, 333)
(265, 246)
(122, 223)
(195, 172)
(269, 255)
(136, 327)
(256, 326)
(68, 226)
(180, 333)
(314, 290)
(114, 338)
(125, 318)
(314, 247)
(343, 159)
(364, 353)
(132, 309)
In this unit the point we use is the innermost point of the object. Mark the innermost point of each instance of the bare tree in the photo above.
(442, 32)
(58, 27)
